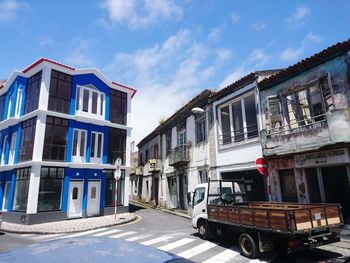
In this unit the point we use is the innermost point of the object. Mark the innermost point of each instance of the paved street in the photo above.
(174, 234)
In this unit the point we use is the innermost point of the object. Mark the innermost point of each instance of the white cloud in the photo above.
(298, 17)
(234, 76)
(259, 57)
(258, 26)
(79, 55)
(166, 76)
(224, 54)
(292, 54)
(140, 13)
(9, 9)
(235, 18)
(216, 33)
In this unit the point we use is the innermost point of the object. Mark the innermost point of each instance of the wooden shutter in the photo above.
(274, 108)
(327, 92)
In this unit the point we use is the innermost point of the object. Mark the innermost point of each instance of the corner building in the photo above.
(61, 130)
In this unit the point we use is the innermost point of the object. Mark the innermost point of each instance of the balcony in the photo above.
(309, 134)
(136, 170)
(155, 165)
(179, 156)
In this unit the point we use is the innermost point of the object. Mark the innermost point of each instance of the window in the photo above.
(75, 193)
(55, 142)
(18, 103)
(93, 192)
(274, 108)
(118, 107)
(146, 156)
(198, 196)
(181, 137)
(156, 151)
(9, 108)
(225, 125)
(21, 190)
(90, 102)
(60, 92)
(50, 190)
(110, 188)
(239, 120)
(4, 143)
(168, 143)
(27, 140)
(12, 148)
(33, 92)
(141, 161)
(203, 176)
(96, 147)
(304, 107)
(5, 200)
(116, 145)
(2, 107)
(201, 135)
(79, 146)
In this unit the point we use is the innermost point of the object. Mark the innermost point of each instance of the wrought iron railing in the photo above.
(179, 155)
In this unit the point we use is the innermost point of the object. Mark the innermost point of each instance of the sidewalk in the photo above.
(69, 226)
(176, 212)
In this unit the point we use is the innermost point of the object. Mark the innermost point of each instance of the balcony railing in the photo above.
(239, 135)
(297, 126)
(179, 156)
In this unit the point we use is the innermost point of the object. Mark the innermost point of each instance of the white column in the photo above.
(127, 187)
(39, 137)
(33, 193)
(127, 149)
(45, 88)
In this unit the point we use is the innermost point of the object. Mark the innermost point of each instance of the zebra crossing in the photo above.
(185, 246)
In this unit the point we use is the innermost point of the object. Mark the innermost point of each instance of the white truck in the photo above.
(219, 207)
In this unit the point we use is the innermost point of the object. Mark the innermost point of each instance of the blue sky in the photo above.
(168, 50)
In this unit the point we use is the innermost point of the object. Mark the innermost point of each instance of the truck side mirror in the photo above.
(189, 198)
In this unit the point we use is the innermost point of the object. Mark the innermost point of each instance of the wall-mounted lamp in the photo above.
(77, 174)
(197, 110)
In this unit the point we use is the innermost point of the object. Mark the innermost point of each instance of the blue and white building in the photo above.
(61, 130)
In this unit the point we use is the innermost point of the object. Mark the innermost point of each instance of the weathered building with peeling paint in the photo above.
(306, 136)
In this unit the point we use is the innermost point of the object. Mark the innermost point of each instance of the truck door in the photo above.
(199, 203)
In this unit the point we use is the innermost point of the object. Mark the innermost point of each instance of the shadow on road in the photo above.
(134, 208)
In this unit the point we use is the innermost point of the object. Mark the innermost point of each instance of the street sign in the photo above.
(117, 174)
(261, 165)
(118, 171)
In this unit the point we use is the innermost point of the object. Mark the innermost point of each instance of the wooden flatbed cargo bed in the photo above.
(288, 218)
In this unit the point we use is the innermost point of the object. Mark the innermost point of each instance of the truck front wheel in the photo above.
(248, 246)
(204, 230)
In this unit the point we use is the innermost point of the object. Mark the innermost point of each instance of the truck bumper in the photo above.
(312, 245)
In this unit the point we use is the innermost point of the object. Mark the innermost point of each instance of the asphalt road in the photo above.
(175, 234)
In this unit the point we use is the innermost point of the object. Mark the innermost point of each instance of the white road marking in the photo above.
(225, 256)
(123, 234)
(196, 250)
(156, 240)
(107, 233)
(85, 233)
(138, 237)
(176, 244)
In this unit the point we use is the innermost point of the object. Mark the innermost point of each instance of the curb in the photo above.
(136, 203)
(122, 222)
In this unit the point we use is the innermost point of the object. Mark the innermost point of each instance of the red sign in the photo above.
(261, 165)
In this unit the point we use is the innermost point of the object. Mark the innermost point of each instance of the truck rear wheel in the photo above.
(248, 246)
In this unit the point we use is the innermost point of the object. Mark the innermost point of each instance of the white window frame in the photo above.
(12, 148)
(229, 104)
(100, 102)
(4, 149)
(9, 106)
(77, 158)
(5, 198)
(18, 103)
(95, 159)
